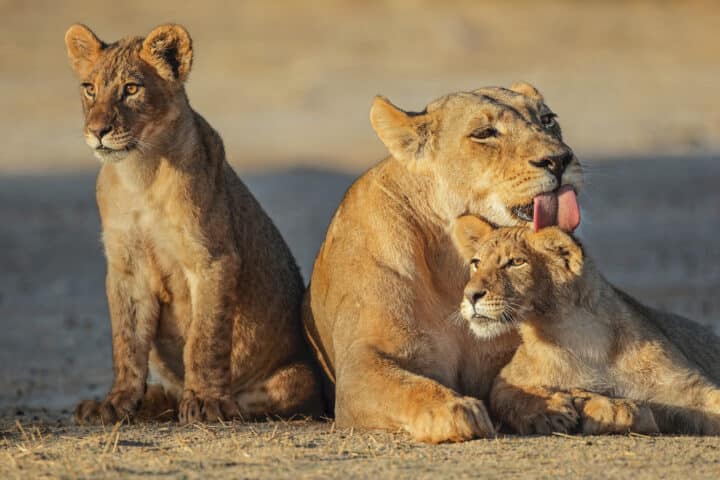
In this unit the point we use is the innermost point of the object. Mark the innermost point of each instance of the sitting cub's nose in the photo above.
(100, 131)
(474, 295)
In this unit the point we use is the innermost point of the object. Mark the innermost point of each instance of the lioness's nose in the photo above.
(474, 295)
(556, 164)
(100, 131)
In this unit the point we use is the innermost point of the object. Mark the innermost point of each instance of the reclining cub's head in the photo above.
(514, 271)
(131, 89)
(493, 152)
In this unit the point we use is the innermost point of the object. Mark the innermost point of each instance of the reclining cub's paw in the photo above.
(603, 415)
(460, 419)
(197, 408)
(116, 406)
(555, 413)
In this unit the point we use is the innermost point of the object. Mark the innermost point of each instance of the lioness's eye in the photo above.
(548, 120)
(483, 133)
(474, 263)
(516, 262)
(89, 89)
(131, 88)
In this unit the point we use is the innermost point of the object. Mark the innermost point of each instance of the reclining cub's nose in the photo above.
(556, 164)
(474, 295)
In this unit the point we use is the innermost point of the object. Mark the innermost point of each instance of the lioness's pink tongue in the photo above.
(556, 208)
(568, 210)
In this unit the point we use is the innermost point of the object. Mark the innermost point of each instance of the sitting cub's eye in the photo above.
(474, 263)
(516, 262)
(483, 133)
(132, 88)
(548, 120)
(89, 89)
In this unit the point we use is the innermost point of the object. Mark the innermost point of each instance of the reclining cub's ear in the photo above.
(468, 234)
(559, 245)
(404, 134)
(83, 48)
(168, 49)
(528, 90)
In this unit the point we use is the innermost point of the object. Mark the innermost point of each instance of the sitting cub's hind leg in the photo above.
(291, 390)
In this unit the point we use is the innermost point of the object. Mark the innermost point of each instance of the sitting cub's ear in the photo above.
(528, 90)
(168, 49)
(558, 245)
(404, 134)
(83, 48)
(468, 234)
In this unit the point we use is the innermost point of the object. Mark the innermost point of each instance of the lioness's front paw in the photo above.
(603, 415)
(116, 406)
(460, 419)
(554, 413)
(198, 408)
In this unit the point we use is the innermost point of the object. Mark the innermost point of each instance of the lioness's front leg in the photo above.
(207, 351)
(374, 391)
(134, 317)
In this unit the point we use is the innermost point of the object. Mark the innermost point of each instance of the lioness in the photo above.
(203, 291)
(387, 280)
(580, 332)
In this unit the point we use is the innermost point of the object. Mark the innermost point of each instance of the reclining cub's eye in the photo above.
(548, 120)
(516, 262)
(131, 88)
(483, 133)
(89, 89)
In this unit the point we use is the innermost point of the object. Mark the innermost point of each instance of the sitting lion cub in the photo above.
(580, 334)
(204, 294)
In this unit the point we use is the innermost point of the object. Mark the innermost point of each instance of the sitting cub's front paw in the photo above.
(116, 406)
(460, 419)
(198, 408)
(545, 415)
(603, 415)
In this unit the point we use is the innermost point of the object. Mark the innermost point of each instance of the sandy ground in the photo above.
(651, 223)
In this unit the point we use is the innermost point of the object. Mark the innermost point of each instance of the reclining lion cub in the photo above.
(579, 332)
(203, 292)
(387, 279)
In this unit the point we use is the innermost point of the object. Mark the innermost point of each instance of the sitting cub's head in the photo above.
(132, 89)
(514, 271)
(494, 152)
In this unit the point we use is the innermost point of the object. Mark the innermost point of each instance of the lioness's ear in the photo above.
(404, 134)
(528, 90)
(468, 234)
(557, 244)
(168, 49)
(83, 48)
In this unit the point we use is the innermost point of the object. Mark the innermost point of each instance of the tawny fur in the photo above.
(622, 365)
(381, 310)
(204, 294)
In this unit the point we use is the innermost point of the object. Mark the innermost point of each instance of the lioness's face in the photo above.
(497, 149)
(130, 89)
(514, 271)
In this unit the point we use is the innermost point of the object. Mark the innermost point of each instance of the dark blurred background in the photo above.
(289, 86)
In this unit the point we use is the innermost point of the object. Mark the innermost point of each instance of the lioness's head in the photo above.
(495, 152)
(514, 271)
(132, 89)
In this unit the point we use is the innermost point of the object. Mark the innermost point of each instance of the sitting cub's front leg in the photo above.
(134, 317)
(532, 409)
(208, 346)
